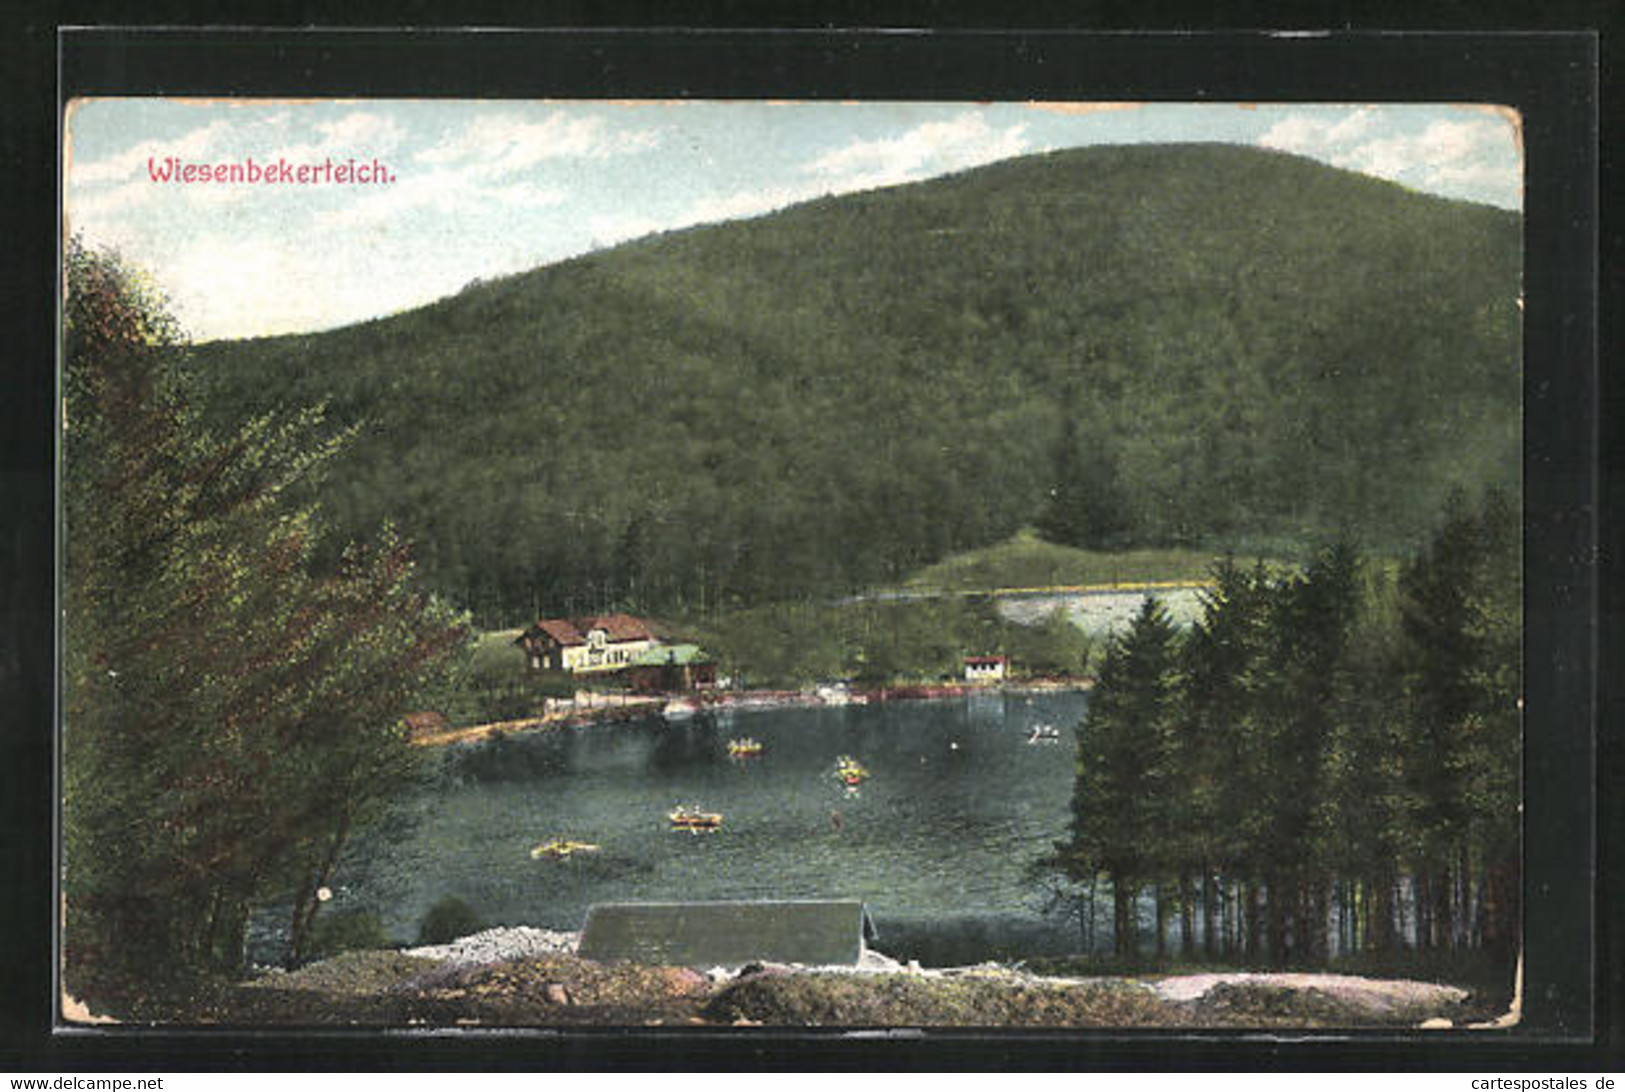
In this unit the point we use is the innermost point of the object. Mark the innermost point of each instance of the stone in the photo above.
(685, 980)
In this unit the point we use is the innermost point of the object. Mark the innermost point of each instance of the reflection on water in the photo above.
(938, 836)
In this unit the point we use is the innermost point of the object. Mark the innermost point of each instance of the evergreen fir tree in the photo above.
(1311, 618)
(1460, 631)
(1221, 753)
(1120, 805)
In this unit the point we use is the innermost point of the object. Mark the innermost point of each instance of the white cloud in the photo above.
(360, 135)
(222, 283)
(239, 285)
(523, 195)
(448, 192)
(506, 143)
(936, 147)
(1315, 135)
(108, 202)
(1476, 158)
(609, 230)
(744, 203)
(194, 147)
(1479, 176)
(932, 148)
(127, 207)
(440, 190)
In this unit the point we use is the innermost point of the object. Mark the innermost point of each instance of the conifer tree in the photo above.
(1460, 632)
(1222, 756)
(1368, 816)
(1120, 805)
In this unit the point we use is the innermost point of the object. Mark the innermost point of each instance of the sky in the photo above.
(468, 189)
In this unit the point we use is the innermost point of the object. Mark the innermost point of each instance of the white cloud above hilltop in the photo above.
(611, 229)
(754, 202)
(924, 151)
(1317, 134)
(508, 143)
(935, 147)
(1453, 157)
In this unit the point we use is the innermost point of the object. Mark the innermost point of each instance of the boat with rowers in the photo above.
(850, 771)
(561, 848)
(688, 817)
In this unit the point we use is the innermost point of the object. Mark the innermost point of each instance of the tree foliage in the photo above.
(1326, 762)
(1085, 507)
(1125, 788)
(1460, 656)
(231, 710)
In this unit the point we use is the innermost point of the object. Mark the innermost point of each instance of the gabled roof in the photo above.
(728, 934)
(561, 630)
(573, 631)
(621, 627)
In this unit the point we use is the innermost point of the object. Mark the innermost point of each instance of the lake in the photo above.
(937, 840)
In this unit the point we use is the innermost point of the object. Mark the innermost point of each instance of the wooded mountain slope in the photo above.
(1256, 351)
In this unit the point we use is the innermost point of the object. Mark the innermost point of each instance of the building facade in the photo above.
(673, 668)
(986, 668)
(582, 646)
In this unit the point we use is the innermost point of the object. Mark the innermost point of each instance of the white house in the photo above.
(986, 668)
(607, 642)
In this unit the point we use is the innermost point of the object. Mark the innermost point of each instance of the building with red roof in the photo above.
(604, 642)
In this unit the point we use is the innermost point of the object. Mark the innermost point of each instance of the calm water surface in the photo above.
(937, 841)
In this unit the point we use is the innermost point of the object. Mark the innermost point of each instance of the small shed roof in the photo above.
(728, 934)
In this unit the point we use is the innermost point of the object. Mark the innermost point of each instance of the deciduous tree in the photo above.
(231, 712)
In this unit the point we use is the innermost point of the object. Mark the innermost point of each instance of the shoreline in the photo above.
(632, 707)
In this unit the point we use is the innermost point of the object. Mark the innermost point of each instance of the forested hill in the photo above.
(1251, 349)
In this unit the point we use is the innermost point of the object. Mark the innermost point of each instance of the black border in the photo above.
(1551, 77)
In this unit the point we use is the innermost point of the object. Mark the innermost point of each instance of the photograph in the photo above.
(761, 563)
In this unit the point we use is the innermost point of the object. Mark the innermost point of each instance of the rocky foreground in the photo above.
(522, 977)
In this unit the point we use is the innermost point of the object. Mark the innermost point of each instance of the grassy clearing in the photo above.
(884, 643)
(1027, 561)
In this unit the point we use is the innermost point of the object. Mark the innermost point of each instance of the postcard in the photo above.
(763, 563)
